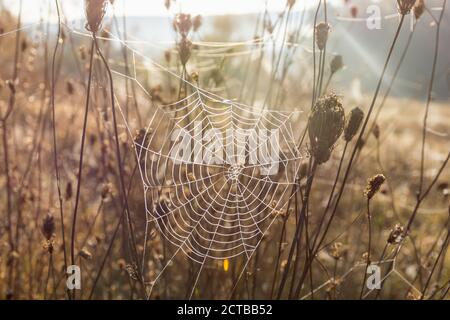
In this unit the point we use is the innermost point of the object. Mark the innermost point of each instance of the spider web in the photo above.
(208, 210)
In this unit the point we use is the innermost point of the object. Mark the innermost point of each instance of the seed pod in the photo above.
(336, 64)
(95, 11)
(325, 126)
(373, 185)
(353, 123)
(48, 226)
(321, 31)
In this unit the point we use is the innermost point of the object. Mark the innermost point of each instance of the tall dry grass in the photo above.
(366, 193)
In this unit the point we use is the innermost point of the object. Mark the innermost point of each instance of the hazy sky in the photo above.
(74, 8)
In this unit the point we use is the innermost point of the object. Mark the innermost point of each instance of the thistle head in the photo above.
(95, 11)
(373, 185)
(325, 126)
(353, 123)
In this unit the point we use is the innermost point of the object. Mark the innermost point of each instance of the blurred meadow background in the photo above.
(91, 93)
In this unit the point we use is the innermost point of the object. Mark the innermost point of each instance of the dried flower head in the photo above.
(83, 52)
(95, 11)
(353, 123)
(405, 6)
(325, 126)
(184, 50)
(11, 85)
(336, 64)
(354, 11)
(419, 9)
(290, 3)
(322, 29)
(131, 269)
(69, 191)
(70, 87)
(85, 254)
(396, 235)
(336, 250)
(106, 190)
(373, 185)
(376, 131)
(197, 23)
(183, 24)
(303, 170)
(48, 226)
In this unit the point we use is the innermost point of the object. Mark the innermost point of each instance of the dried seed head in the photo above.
(291, 3)
(95, 11)
(85, 254)
(376, 131)
(322, 30)
(353, 123)
(405, 6)
(167, 4)
(184, 50)
(83, 52)
(11, 86)
(132, 271)
(183, 24)
(336, 64)
(336, 250)
(373, 185)
(419, 9)
(48, 226)
(325, 126)
(69, 191)
(24, 45)
(70, 87)
(197, 23)
(168, 56)
(354, 11)
(106, 190)
(303, 170)
(396, 235)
